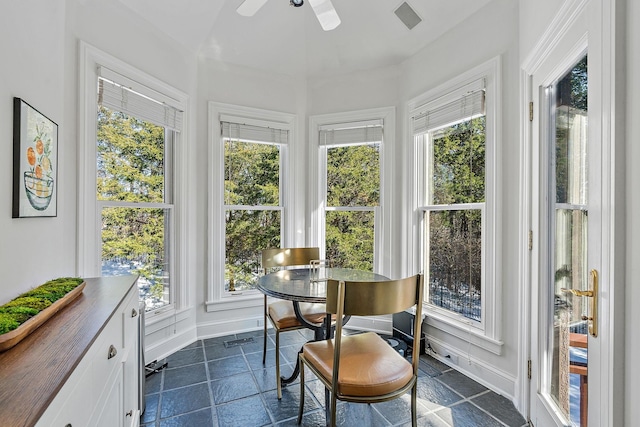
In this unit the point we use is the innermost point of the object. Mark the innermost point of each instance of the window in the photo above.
(252, 202)
(249, 199)
(351, 154)
(134, 187)
(349, 187)
(130, 215)
(454, 140)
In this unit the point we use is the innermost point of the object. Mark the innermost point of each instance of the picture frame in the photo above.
(35, 162)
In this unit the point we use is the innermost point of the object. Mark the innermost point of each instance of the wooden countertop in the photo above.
(32, 372)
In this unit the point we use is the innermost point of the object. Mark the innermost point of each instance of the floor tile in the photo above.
(500, 407)
(232, 388)
(151, 408)
(221, 368)
(201, 418)
(287, 407)
(461, 383)
(434, 395)
(185, 357)
(219, 351)
(182, 400)
(153, 383)
(467, 415)
(398, 410)
(247, 412)
(185, 375)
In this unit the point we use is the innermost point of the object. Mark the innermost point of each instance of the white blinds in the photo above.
(117, 96)
(436, 115)
(351, 133)
(254, 133)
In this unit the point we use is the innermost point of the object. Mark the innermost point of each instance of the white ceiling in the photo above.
(283, 39)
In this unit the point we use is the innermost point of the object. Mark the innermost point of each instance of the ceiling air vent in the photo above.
(407, 15)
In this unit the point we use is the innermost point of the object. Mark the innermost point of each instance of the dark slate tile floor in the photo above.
(208, 384)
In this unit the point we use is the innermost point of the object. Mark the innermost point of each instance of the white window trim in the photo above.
(317, 187)
(217, 299)
(89, 241)
(489, 335)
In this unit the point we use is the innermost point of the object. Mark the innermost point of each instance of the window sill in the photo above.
(235, 302)
(462, 331)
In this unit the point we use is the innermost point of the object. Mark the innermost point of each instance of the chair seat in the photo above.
(283, 316)
(368, 365)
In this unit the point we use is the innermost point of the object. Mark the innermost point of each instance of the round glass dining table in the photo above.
(310, 285)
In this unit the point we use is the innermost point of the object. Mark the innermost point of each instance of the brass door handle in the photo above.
(577, 292)
(593, 294)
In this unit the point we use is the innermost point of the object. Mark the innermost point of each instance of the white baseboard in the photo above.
(161, 347)
(228, 327)
(494, 379)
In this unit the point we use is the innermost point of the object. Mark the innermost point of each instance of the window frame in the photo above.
(487, 333)
(217, 298)
(89, 242)
(318, 187)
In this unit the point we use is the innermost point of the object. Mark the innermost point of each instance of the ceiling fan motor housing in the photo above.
(296, 3)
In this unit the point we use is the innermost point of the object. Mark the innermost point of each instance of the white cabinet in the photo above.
(103, 389)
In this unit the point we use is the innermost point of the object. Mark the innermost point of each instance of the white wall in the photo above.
(535, 17)
(34, 250)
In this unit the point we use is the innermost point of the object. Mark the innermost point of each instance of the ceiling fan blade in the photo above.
(326, 14)
(250, 7)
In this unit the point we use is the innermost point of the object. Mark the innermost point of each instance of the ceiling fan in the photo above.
(323, 9)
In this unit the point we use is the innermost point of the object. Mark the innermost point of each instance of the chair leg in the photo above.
(334, 403)
(301, 407)
(414, 398)
(278, 381)
(327, 407)
(264, 321)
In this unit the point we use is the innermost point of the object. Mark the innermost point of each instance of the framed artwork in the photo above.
(35, 162)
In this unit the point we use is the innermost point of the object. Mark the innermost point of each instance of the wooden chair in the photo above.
(280, 313)
(364, 368)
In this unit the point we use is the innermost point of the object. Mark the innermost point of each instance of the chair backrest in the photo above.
(373, 299)
(288, 257)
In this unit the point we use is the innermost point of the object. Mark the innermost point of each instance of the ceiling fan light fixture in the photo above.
(296, 3)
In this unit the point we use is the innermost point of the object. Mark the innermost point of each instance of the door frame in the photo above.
(607, 386)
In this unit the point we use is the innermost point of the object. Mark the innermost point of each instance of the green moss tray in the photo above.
(38, 305)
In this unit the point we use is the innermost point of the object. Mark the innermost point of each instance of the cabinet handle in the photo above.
(134, 312)
(130, 413)
(112, 352)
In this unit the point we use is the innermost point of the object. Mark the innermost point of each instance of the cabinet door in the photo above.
(111, 413)
(131, 387)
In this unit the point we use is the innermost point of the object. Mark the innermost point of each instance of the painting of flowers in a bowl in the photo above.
(34, 157)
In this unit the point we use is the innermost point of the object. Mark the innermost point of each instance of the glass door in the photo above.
(567, 277)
